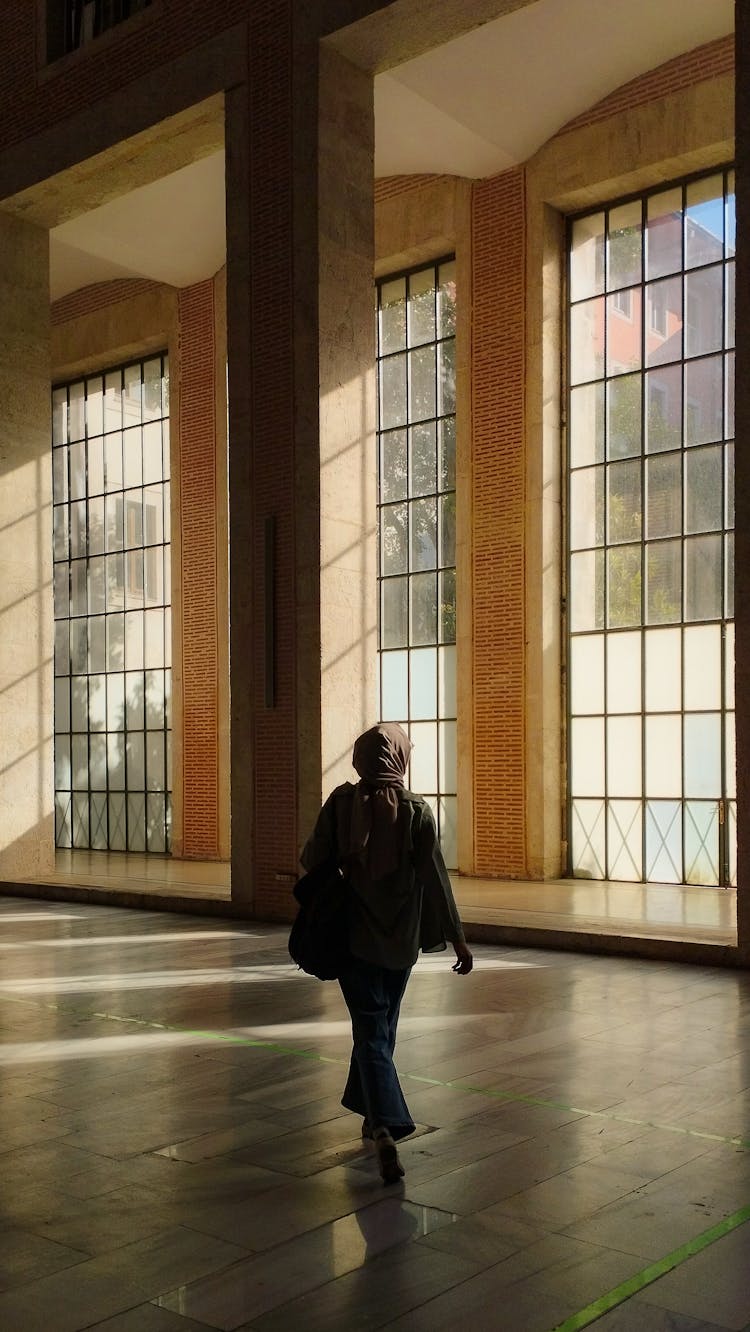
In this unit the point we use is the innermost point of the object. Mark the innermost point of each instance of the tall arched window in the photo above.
(417, 524)
(110, 455)
(651, 772)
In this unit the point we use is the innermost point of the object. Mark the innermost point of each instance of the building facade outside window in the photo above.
(417, 526)
(110, 460)
(651, 771)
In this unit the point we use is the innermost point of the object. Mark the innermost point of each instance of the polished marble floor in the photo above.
(684, 915)
(174, 1156)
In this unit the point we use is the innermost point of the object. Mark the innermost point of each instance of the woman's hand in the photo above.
(464, 960)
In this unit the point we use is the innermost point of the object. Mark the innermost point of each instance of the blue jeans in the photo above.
(373, 996)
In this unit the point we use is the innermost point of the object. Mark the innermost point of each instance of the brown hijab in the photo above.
(380, 757)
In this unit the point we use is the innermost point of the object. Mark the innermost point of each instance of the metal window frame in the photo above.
(726, 810)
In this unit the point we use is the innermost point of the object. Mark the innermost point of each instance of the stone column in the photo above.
(348, 465)
(301, 453)
(27, 842)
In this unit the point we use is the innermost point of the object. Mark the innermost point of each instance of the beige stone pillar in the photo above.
(26, 613)
(348, 546)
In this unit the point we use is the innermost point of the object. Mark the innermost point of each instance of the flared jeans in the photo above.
(373, 996)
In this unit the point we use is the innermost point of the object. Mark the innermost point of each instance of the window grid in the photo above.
(629, 816)
(416, 525)
(111, 563)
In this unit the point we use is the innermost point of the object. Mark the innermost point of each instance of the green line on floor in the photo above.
(649, 1274)
(492, 1093)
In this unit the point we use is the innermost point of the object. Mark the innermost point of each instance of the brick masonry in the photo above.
(498, 338)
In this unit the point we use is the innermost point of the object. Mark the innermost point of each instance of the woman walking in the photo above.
(401, 901)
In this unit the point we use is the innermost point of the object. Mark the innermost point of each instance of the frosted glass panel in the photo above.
(116, 761)
(98, 762)
(155, 774)
(394, 556)
(587, 590)
(664, 757)
(393, 466)
(97, 644)
(623, 586)
(586, 341)
(59, 416)
(447, 681)
(624, 672)
(447, 816)
(421, 308)
(424, 759)
(588, 839)
(137, 822)
(394, 680)
(97, 720)
(423, 684)
(447, 756)
(624, 756)
(664, 841)
(395, 616)
(79, 711)
(115, 703)
(62, 762)
(156, 821)
(623, 335)
(63, 820)
(663, 669)
(587, 674)
(587, 756)
(624, 247)
(586, 425)
(80, 820)
(624, 418)
(154, 638)
(624, 827)
(135, 755)
(393, 315)
(134, 694)
(587, 257)
(701, 842)
(729, 667)
(80, 762)
(422, 384)
(587, 508)
(98, 821)
(730, 762)
(703, 578)
(702, 645)
(393, 392)
(703, 755)
(117, 822)
(703, 311)
(134, 641)
(62, 705)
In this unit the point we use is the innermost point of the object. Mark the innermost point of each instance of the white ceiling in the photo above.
(472, 107)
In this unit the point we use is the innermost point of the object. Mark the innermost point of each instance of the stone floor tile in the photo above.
(25, 1257)
(170, 1106)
